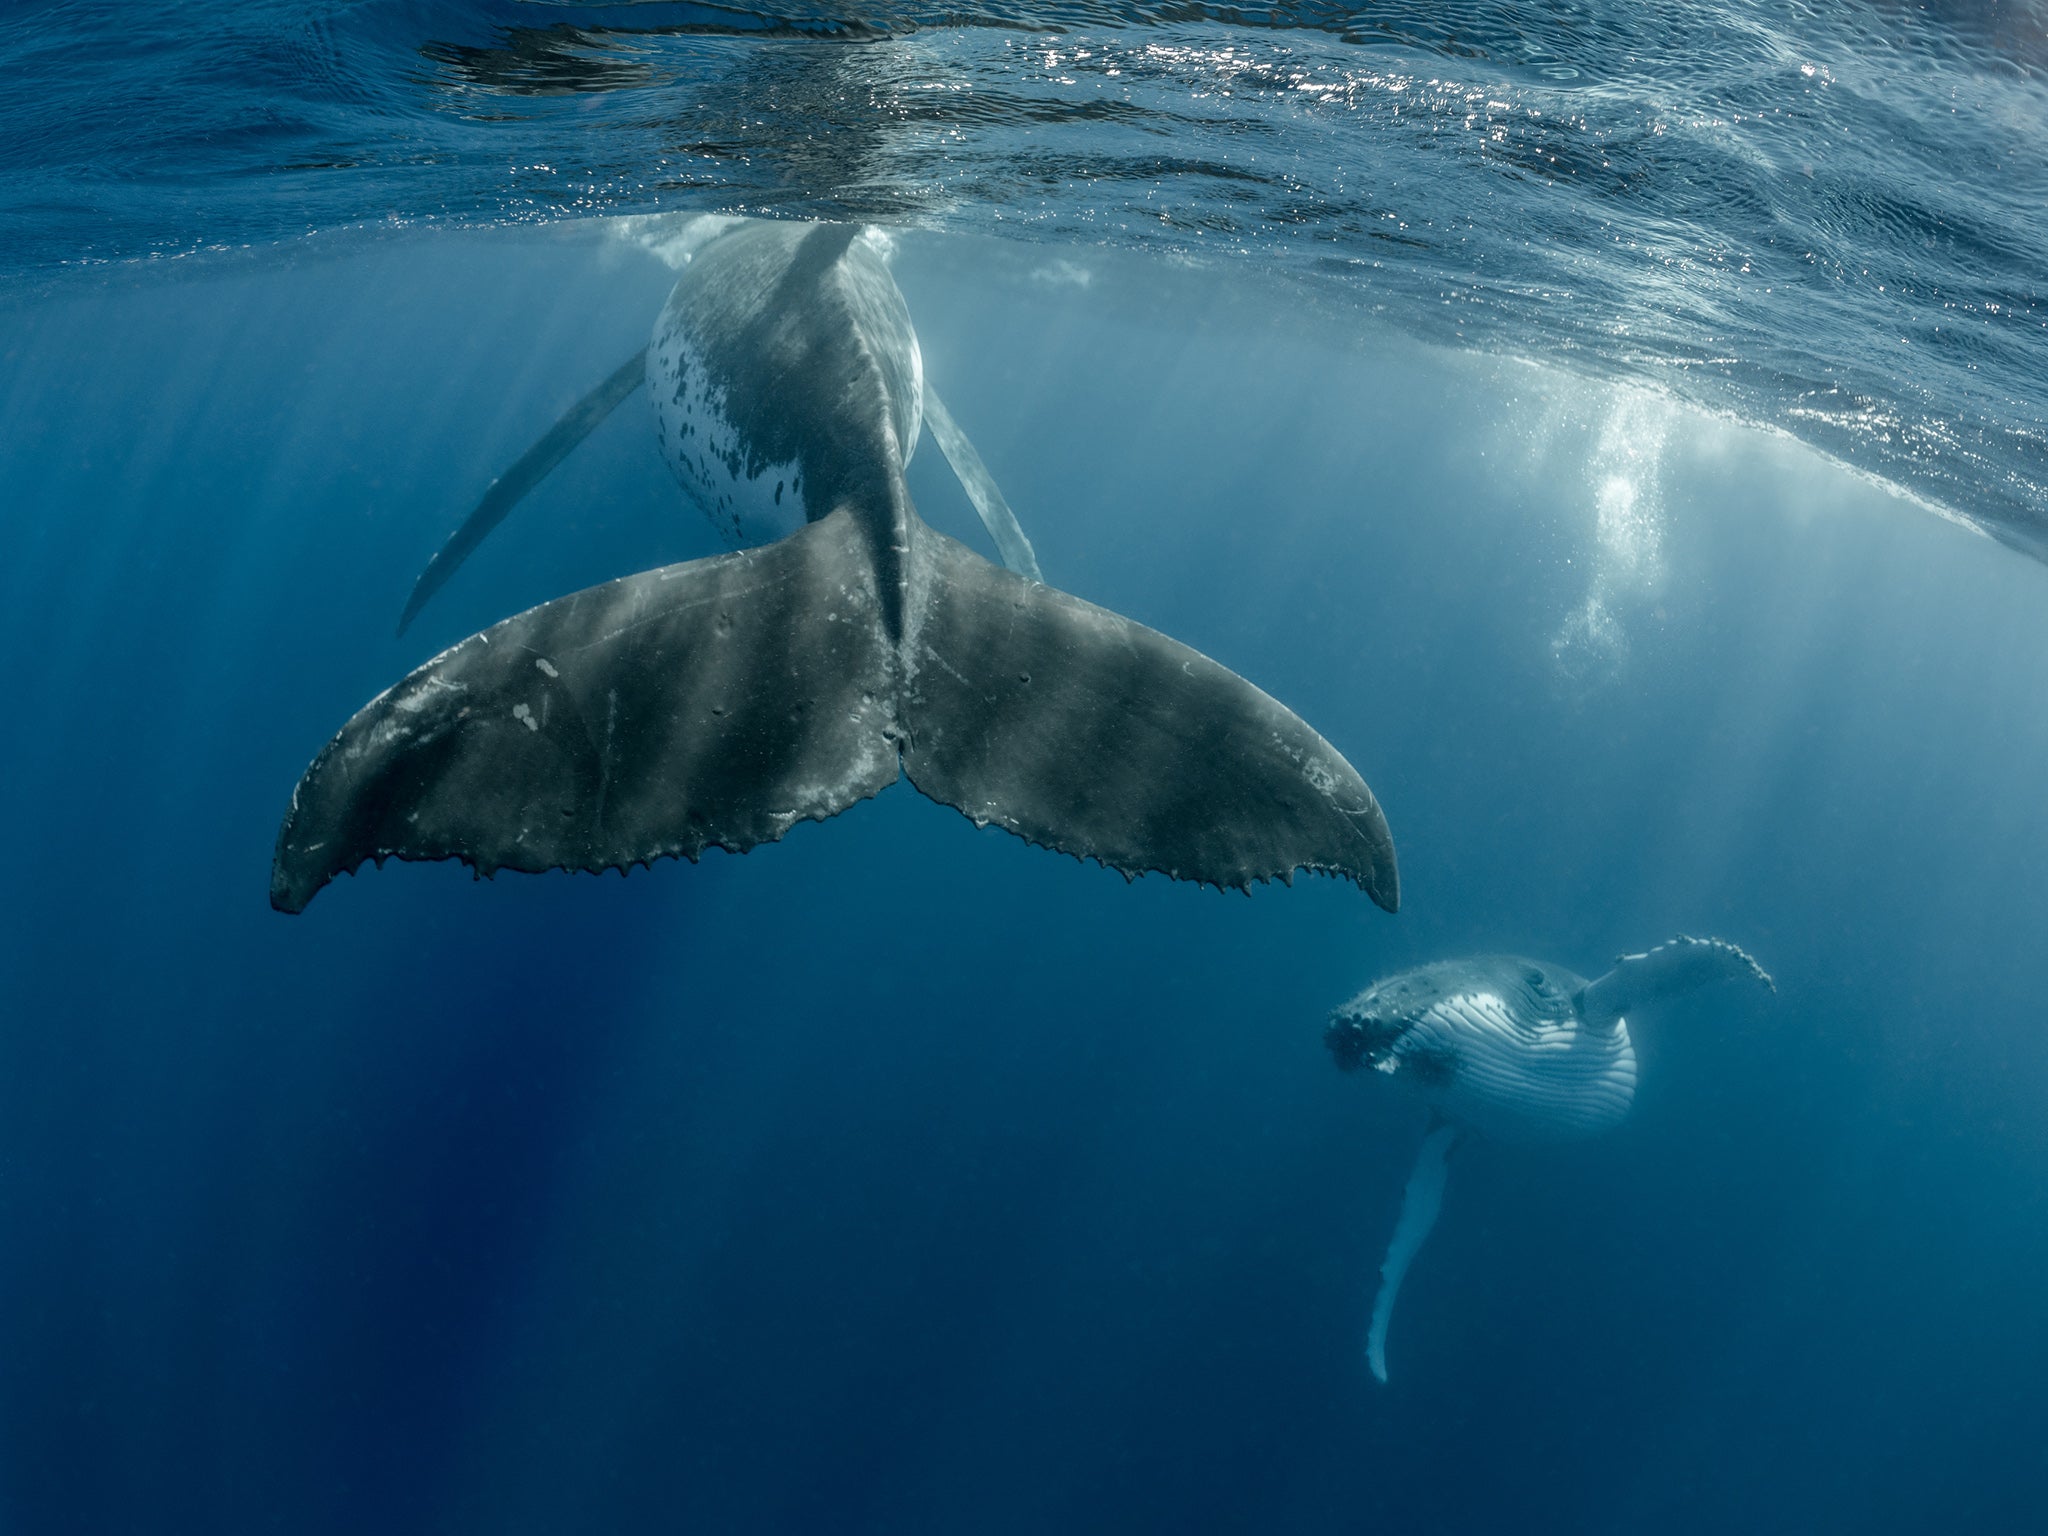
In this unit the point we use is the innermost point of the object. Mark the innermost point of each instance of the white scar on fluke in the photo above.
(1510, 1050)
(846, 643)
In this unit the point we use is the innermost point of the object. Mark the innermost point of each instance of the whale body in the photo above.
(1494, 1044)
(1512, 1050)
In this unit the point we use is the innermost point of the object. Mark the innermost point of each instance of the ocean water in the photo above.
(1618, 429)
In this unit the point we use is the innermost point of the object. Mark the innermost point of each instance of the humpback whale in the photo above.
(721, 701)
(724, 489)
(1512, 1050)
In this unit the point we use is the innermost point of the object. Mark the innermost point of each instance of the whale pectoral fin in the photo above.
(717, 702)
(1421, 1202)
(532, 467)
(980, 485)
(1670, 970)
(1080, 730)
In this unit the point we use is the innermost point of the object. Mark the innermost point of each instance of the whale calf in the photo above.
(719, 702)
(1513, 1050)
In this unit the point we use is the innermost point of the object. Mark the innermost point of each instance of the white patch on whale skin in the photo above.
(427, 691)
(705, 452)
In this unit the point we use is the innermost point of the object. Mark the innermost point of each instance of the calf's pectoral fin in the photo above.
(1670, 970)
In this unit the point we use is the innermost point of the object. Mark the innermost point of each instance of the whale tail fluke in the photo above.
(1078, 729)
(721, 701)
(1421, 1202)
(717, 702)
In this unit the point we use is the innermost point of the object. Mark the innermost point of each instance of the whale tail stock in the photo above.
(721, 701)
(589, 413)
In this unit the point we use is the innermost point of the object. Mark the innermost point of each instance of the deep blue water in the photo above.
(899, 1176)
